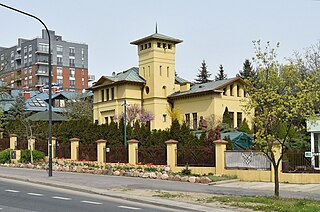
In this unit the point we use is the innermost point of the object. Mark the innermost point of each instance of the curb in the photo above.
(224, 182)
(122, 197)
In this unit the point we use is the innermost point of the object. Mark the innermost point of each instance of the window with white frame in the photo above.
(72, 51)
(72, 72)
(59, 49)
(59, 71)
(59, 61)
(72, 83)
(59, 81)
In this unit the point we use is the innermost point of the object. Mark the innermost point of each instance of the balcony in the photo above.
(42, 73)
(91, 77)
(40, 50)
(17, 57)
(59, 64)
(72, 54)
(42, 62)
(71, 64)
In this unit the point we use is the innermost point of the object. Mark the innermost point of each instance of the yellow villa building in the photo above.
(155, 87)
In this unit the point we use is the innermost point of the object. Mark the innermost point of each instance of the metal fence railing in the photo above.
(152, 154)
(296, 162)
(117, 153)
(203, 156)
(246, 160)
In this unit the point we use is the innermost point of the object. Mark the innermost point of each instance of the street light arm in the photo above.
(50, 81)
(28, 14)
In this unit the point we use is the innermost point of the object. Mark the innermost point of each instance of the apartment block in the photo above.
(26, 65)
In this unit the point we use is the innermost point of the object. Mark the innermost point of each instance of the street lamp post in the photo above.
(125, 104)
(50, 81)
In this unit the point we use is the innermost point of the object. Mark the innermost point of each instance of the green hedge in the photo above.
(26, 157)
(5, 156)
(89, 132)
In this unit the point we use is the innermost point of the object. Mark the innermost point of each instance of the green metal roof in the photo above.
(180, 80)
(131, 75)
(156, 36)
(44, 116)
(204, 87)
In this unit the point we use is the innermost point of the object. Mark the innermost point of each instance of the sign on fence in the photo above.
(308, 154)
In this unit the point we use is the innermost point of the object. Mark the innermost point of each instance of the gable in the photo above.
(103, 81)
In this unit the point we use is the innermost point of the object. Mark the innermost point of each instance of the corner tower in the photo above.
(157, 66)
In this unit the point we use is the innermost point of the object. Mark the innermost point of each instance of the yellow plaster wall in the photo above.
(202, 105)
(250, 175)
(300, 177)
(130, 92)
(157, 67)
(158, 106)
(212, 103)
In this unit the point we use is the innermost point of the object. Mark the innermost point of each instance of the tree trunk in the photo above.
(276, 180)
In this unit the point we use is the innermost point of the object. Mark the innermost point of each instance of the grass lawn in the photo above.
(268, 203)
(215, 178)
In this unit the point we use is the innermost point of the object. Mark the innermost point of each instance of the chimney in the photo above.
(26, 95)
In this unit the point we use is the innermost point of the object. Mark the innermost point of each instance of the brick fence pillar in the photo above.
(171, 153)
(54, 147)
(74, 148)
(220, 146)
(101, 150)
(13, 141)
(133, 151)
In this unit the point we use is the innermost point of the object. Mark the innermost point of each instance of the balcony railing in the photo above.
(42, 50)
(18, 57)
(42, 73)
(42, 62)
(91, 77)
(72, 54)
(71, 64)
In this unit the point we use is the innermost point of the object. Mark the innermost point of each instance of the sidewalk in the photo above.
(111, 185)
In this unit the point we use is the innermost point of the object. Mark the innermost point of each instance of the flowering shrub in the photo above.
(116, 166)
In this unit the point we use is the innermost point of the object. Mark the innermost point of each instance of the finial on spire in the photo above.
(156, 27)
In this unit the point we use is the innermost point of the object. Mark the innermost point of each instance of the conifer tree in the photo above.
(221, 75)
(203, 75)
(247, 71)
(226, 118)
(245, 127)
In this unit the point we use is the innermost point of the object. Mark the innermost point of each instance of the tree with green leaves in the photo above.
(80, 107)
(221, 75)
(247, 71)
(282, 101)
(308, 62)
(19, 113)
(203, 75)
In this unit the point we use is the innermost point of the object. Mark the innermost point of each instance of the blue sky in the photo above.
(221, 32)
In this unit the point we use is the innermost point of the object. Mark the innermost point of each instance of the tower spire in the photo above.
(156, 27)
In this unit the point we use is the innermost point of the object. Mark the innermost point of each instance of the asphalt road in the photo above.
(23, 197)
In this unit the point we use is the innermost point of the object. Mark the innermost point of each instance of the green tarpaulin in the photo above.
(240, 140)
